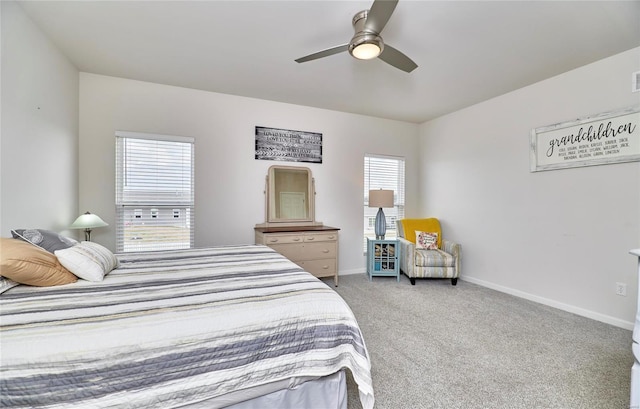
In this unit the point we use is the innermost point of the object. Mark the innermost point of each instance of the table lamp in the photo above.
(87, 222)
(380, 198)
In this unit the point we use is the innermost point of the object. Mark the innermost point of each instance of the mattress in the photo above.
(171, 329)
(328, 392)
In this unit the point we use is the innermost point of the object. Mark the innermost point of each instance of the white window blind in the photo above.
(154, 192)
(383, 172)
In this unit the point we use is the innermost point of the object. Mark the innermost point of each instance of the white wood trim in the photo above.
(159, 137)
(607, 319)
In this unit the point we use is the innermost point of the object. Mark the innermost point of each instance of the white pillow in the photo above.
(88, 260)
(425, 240)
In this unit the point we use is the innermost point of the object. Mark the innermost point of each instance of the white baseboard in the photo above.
(555, 304)
(353, 271)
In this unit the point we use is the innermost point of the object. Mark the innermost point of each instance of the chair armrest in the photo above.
(455, 250)
(407, 249)
(451, 247)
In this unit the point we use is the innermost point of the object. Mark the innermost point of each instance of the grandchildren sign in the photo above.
(612, 137)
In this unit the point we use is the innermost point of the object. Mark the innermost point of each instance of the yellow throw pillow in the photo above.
(28, 264)
(431, 225)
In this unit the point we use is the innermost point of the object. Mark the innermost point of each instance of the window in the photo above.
(154, 183)
(383, 172)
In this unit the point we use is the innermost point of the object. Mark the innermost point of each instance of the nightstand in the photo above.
(383, 258)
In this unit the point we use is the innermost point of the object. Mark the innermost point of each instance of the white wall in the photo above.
(229, 181)
(39, 131)
(559, 237)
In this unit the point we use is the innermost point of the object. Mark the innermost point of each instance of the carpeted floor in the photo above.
(434, 345)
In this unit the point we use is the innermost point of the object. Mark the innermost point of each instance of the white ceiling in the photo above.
(466, 51)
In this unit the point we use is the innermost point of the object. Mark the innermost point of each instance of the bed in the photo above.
(230, 326)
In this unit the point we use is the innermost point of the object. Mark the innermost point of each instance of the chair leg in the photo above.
(454, 281)
(413, 280)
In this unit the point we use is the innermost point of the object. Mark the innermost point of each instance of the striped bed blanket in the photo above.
(168, 329)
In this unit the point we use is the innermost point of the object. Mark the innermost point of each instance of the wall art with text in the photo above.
(610, 137)
(288, 145)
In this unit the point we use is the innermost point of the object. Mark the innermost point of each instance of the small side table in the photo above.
(383, 258)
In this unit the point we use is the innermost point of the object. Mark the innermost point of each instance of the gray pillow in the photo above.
(6, 284)
(45, 239)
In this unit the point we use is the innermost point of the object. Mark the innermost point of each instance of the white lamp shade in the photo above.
(381, 198)
(88, 221)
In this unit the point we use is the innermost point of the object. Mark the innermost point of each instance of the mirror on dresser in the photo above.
(290, 195)
(290, 227)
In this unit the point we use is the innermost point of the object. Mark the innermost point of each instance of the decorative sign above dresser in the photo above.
(288, 145)
(611, 137)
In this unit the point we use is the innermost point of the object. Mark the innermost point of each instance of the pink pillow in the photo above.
(426, 240)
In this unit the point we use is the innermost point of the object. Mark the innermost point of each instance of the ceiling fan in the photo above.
(367, 44)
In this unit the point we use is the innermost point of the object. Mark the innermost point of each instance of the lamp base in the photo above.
(381, 225)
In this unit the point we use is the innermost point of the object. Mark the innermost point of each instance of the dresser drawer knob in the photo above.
(273, 240)
(296, 239)
(325, 267)
(325, 250)
(311, 238)
(331, 237)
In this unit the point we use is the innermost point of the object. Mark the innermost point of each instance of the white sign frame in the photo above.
(610, 137)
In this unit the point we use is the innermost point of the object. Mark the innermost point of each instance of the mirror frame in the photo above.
(270, 199)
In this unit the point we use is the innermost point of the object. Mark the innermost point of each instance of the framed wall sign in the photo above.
(288, 145)
(610, 137)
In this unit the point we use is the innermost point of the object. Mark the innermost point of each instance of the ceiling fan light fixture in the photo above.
(366, 51)
(366, 46)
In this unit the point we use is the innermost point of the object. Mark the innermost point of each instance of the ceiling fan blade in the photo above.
(394, 57)
(379, 14)
(324, 53)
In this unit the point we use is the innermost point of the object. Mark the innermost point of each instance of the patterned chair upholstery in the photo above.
(443, 262)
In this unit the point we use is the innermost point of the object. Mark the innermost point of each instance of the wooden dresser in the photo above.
(314, 248)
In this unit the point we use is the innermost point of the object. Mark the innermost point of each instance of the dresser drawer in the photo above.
(311, 237)
(313, 251)
(291, 251)
(270, 239)
(319, 268)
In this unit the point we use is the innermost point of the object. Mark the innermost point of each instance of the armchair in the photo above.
(441, 262)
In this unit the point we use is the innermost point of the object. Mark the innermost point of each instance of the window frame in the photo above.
(148, 208)
(397, 184)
